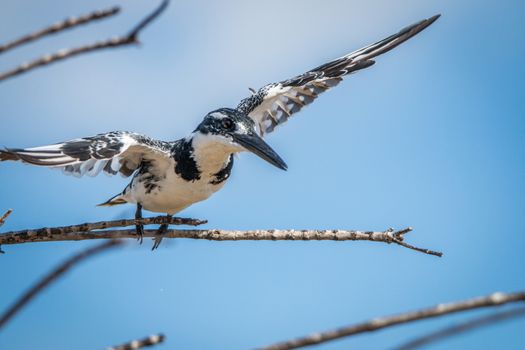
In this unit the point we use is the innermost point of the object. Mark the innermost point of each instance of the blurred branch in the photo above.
(2, 221)
(52, 277)
(129, 39)
(141, 343)
(88, 231)
(492, 300)
(462, 327)
(60, 26)
(5, 216)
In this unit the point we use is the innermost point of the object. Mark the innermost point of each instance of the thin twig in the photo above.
(130, 39)
(2, 221)
(461, 328)
(5, 216)
(60, 26)
(140, 343)
(133, 35)
(53, 276)
(85, 231)
(494, 299)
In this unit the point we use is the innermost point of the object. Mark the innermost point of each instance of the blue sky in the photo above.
(430, 137)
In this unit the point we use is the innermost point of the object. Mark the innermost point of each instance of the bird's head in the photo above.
(236, 131)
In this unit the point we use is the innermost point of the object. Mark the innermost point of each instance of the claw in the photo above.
(140, 233)
(156, 242)
(160, 234)
(140, 227)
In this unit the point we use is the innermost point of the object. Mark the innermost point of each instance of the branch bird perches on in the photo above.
(99, 230)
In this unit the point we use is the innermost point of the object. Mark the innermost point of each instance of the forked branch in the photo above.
(59, 27)
(463, 327)
(130, 39)
(492, 300)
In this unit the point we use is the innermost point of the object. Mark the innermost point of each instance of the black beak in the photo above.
(255, 144)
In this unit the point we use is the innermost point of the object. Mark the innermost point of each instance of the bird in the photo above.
(169, 176)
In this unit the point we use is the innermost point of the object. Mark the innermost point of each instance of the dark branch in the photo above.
(130, 39)
(141, 343)
(462, 327)
(60, 26)
(492, 300)
(5, 216)
(2, 221)
(134, 32)
(53, 276)
(47, 234)
(88, 231)
(399, 239)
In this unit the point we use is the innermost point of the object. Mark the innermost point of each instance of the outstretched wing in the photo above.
(274, 103)
(112, 153)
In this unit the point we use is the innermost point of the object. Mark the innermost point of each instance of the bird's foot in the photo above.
(140, 232)
(139, 227)
(158, 237)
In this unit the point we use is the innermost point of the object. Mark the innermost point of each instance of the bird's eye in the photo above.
(227, 123)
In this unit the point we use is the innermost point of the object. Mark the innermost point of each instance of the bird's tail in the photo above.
(115, 200)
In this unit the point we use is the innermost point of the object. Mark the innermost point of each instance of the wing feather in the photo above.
(113, 153)
(275, 103)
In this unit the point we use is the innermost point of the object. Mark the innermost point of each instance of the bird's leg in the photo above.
(160, 234)
(139, 227)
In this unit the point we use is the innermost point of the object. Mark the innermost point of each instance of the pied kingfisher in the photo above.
(170, 176)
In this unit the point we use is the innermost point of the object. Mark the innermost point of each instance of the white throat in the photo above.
(212, 152)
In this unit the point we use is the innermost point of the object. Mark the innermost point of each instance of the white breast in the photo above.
(172, 193)
(169, 193)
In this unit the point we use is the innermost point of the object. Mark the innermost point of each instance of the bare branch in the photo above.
(141, 343)
(492, 300)
(130, 39)
(2, 221)
(5, 216)
(47, 234)
(86, 231)
(462, 327)
(60, 26)
(133, 35)
(53, 276)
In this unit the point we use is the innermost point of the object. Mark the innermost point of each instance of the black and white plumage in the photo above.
(114, 152)
(170, 176)
(167, 176)
(274, 103)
